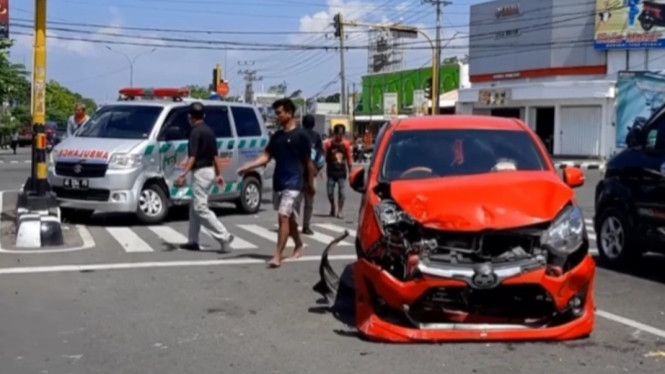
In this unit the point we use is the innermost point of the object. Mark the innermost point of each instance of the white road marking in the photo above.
(335, 228)
(129, 240)
(86, 238)
(166, 264)
(631, 323)
(322, 238)
(168, 234)
(260, 231)
(13, 162)
(588, 221)
(238, 243)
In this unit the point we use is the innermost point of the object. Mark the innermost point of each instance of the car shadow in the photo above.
(176, 214)
(649, 267)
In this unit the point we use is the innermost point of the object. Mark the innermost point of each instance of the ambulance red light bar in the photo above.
(132, 92)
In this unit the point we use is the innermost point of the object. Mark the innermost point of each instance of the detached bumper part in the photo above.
(529, 306)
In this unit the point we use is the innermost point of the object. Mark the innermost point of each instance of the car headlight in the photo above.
(388, 214)
(566, 234)
(125, 160)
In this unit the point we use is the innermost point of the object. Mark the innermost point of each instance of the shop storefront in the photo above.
(572, 118)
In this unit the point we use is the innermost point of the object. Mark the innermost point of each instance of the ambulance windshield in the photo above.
(121, 122)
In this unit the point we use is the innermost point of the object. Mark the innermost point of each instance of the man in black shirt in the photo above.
(205, 165)
(294, 173)
(308, 123)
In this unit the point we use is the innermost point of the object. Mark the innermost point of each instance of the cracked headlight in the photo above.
(388, 214)
(125, 161)
(566, 234)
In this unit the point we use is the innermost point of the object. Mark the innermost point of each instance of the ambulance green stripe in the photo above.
(165, 147)
(242, 143)
(182, 147)
(252, 143)
(148, 150)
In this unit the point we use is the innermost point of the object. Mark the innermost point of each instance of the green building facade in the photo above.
(402, 82)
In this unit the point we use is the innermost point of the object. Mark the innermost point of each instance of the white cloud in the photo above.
(403, 7)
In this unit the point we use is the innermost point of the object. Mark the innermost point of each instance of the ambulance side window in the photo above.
(176, 127)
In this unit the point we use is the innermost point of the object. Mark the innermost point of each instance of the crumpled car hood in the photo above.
(490, 201)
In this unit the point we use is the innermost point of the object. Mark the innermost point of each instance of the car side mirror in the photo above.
(573, 177)
(357, 180)
(171, 133)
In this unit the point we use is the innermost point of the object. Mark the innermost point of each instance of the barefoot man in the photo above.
(294, 172)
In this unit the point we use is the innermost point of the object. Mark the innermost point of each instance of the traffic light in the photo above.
(216, 76)
(337, 23)
(428, 88)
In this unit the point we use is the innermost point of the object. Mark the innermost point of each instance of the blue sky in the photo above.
(97, 72)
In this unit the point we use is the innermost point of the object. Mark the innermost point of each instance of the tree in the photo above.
(334, 98)
(15, 90)
(198, 92)
(60, 102)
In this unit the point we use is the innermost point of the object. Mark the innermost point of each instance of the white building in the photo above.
(535, 62)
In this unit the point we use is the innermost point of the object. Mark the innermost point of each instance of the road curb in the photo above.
(585, 165)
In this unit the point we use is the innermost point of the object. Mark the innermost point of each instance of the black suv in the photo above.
(630, 199)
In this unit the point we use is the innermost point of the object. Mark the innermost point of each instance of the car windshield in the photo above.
(420, 154)
(121, 122)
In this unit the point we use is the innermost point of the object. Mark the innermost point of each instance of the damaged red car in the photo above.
(466, 231)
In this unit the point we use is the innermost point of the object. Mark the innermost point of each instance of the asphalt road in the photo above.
(108, 309)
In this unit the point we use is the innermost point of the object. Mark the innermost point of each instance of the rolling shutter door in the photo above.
(580, 130)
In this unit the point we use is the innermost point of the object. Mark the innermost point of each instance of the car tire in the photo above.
(616, 238)
(71, 215)
(251, 194)
(152, 206)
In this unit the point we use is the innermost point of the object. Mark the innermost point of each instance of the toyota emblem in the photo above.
(78, 168)
(484, 277)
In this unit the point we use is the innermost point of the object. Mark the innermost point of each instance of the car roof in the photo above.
(169, 103)
(458, 121)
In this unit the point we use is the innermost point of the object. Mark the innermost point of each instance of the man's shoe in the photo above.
(191, 246)
(226, 244)
(307, 231)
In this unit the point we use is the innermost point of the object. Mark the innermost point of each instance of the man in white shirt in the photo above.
(77, 120)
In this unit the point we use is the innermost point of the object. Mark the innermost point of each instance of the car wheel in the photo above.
(249, 201)
(152, 206)
(71, 215)
(615, 237)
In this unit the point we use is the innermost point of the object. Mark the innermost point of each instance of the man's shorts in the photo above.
(286, 202)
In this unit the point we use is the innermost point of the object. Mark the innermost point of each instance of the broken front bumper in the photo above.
(528, 306)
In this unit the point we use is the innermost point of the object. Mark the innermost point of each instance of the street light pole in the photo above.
(131, 61)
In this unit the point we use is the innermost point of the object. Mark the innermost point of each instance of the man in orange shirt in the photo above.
(337, 151)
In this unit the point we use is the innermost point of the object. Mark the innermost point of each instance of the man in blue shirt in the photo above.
(294, 173)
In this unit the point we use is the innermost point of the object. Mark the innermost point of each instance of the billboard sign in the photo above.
(390, 108)
(640, 94)
(420, 103)
(4, 19)
(629, 24)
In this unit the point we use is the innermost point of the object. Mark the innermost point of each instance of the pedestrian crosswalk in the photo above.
(147, 239)
(259, 237)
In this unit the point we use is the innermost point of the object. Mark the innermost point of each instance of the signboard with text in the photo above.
(629, 24)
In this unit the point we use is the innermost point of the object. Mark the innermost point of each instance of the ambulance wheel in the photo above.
(249, 201)
(152, 206)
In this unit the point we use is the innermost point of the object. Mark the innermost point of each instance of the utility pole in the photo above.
(250, 78)
(37, 210)
(439, 4)
(338, 23)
